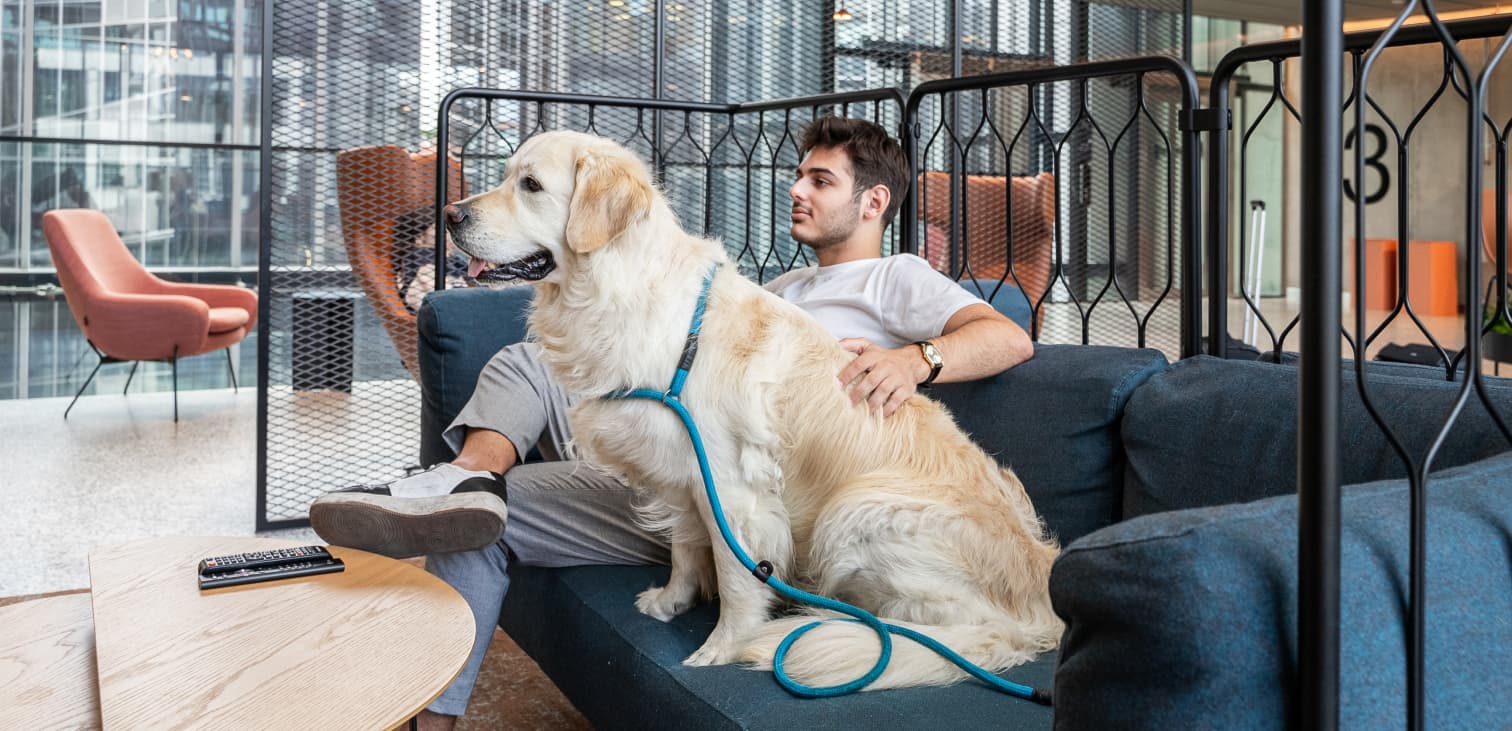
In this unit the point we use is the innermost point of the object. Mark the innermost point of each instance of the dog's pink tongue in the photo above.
(475, 266)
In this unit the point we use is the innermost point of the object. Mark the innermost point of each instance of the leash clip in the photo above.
(763, 571)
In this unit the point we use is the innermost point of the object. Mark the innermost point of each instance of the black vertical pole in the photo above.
(957, 162)
(264, 257)
(1217, 222)
(1186, 32)
(826, 51)
(1318, 412)
(657, 82)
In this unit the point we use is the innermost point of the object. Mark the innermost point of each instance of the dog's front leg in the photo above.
(745, 602)
(692, 577)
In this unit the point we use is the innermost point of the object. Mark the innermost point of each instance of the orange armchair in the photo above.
(374, 187)
(127, 313)
(986, 228)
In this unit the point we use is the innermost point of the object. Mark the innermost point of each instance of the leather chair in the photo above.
(985, 233)
(127, 313)
(374, 187)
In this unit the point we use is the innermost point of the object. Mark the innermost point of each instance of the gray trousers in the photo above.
(561, 513)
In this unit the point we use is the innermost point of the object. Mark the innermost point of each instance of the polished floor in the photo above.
(119, 468)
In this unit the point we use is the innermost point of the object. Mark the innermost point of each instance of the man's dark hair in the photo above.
(409, 225)
(876, 158)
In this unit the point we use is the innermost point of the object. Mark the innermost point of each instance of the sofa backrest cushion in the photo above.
(1188, 619)
(1055, 420)
(1210, 432)
(460, 330)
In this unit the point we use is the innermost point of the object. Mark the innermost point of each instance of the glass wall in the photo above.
(146, 110)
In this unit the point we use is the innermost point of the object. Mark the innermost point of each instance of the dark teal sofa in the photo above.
(1171, 490)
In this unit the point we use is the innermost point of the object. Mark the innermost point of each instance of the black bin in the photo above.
(323, 340)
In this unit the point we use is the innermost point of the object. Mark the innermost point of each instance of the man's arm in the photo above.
(977, 342)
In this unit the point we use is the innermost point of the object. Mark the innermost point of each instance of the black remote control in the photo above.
(261, 559)
(271, 573)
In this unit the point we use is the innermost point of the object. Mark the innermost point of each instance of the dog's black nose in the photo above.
(455, 214)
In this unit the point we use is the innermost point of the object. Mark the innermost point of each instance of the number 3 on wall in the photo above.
(1373, 162)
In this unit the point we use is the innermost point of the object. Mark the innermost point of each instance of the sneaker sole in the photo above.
(409, 527)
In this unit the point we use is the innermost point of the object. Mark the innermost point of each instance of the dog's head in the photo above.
(565, 195)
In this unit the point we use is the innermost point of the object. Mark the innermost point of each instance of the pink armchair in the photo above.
(127, 313)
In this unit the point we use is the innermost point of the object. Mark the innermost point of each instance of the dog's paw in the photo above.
(663, 602)
(713, 654)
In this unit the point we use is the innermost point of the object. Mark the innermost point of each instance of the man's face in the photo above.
(825, 208)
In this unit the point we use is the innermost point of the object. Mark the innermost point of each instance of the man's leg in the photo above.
(486, 450)
(561, 514)
(457, 506)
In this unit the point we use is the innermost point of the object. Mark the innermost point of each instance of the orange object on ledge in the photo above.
(1433, 277)
(1380, 274)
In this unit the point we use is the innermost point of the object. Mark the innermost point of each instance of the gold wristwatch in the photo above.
(931, 356)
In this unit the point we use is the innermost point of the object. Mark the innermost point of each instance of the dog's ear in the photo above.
(611, 193)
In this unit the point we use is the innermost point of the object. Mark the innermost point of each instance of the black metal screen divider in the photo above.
(1318, 455)
(1192, 124)
(264, 261)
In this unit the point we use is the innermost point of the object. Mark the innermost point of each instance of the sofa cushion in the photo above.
(623, 669)
(1210, 432)
(460, 330)
(1004, 298)
(1188, 619)
(1055, 420)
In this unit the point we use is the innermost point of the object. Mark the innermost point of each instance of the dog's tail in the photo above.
(840, 652)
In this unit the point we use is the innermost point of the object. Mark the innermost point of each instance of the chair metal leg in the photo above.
(129, 376)
(232, 370)
(173, 363)
(87, 381)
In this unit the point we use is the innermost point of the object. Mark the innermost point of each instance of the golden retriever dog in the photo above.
(903, 516)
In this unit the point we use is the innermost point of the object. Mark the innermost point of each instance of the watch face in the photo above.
(931, 353)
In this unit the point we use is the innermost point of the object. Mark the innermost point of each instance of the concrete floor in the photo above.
(118, 469)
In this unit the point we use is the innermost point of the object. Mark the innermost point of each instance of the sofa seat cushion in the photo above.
(1211, 432)
(1187, 619)
(623, 669)
(1055, 420)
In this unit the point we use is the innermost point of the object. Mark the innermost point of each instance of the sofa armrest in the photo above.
(1187, 619)
(460, 330)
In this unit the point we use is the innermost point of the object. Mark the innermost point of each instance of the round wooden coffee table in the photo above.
(47, 677)
(362, 649)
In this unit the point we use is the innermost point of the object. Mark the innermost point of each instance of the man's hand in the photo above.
(883, 378)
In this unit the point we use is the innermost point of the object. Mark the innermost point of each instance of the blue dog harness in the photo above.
(762, 570)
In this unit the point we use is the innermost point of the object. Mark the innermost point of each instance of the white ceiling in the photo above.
(1289, 12)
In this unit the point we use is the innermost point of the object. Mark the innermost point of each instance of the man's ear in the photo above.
(875, 200)
(610, 194)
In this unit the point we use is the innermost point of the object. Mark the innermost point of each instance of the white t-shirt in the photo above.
(891, 301)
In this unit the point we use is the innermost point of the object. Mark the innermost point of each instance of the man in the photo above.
(905, 322)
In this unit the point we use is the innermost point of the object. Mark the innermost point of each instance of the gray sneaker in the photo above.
(369, 518)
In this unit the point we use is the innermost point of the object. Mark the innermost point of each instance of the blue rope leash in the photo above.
(763, 570)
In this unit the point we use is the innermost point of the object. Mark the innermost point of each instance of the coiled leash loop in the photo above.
(764, 572)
